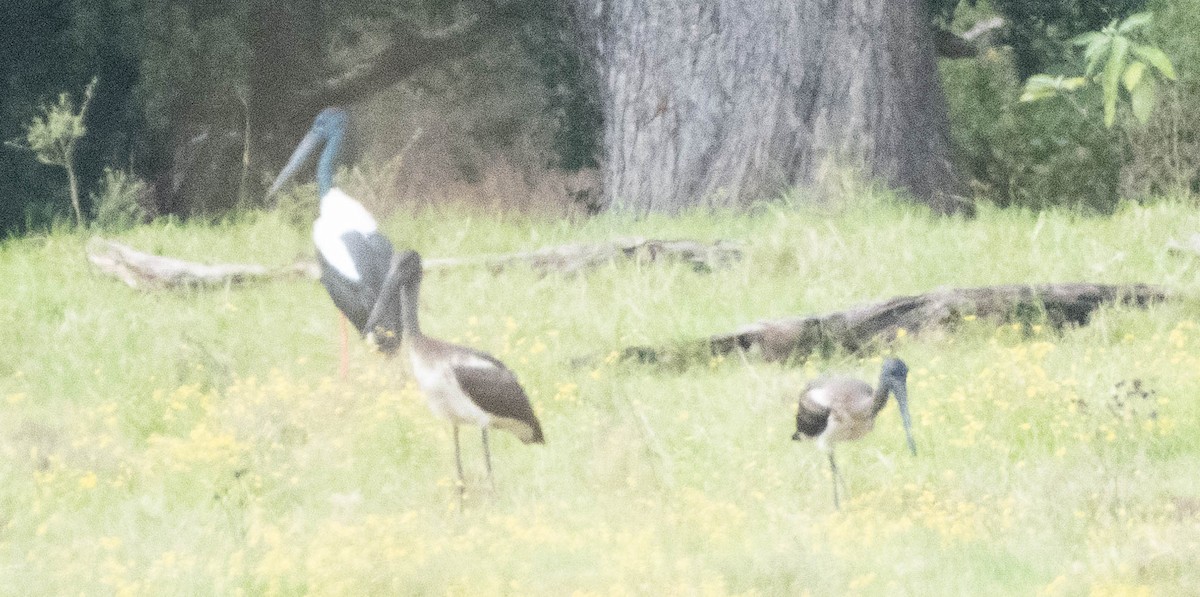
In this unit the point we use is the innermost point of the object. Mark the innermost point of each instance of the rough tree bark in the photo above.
(724, 102)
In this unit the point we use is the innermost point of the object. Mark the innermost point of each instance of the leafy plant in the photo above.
(1163, 156)
(1113, 59)
(1038, 32)
(117, 204)
(1033, 155)
(53, 135)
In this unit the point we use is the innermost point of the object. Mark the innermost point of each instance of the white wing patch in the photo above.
(822, 396)
(340, 214)
(469, 360)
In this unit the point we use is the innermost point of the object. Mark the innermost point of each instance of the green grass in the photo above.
(199, 442)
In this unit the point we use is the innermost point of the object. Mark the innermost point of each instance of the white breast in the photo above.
(445, 397)
(340, 214)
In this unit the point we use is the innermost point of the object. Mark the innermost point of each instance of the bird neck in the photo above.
(327, 165)
(881, 394)
(409, 322)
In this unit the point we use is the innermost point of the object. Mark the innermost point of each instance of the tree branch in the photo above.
(950, 45)
(410, 50)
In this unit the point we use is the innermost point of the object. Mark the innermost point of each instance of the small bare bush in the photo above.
(118, 202)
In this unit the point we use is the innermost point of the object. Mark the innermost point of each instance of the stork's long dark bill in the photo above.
(307, 146)
(902, 402)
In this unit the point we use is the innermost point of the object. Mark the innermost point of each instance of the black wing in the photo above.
(811, 418)
(496, 390)
(371, 254)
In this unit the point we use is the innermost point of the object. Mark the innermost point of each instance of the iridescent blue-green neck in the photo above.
(327, 165)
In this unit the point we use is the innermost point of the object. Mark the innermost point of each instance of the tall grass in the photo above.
(199, 442)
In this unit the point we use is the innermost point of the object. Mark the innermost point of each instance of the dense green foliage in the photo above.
(1040, 32)
(199, 442)
(1058, 151)
(1120, 63)
(573, 103)
(1033, 155)
(1164, 156)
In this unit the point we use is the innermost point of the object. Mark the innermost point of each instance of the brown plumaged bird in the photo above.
(462, 385)
(841, 408)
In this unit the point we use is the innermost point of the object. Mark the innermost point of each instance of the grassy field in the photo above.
(200, 442)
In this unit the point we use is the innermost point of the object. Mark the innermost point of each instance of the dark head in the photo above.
(327, 131)
(894, 378)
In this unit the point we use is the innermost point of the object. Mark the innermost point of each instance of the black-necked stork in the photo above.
(354, 256)
(840, 408)
(462, 385)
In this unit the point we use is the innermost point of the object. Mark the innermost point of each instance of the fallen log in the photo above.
(575, 257)
(1188, 246)
(145, 270)
(860, 329)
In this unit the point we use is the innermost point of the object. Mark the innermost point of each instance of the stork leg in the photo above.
(462, 482)
(834, 470)
(487, 458)
(344, 363)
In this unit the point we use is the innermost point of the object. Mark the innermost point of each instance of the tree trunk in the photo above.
(73, 187)
(723, 102)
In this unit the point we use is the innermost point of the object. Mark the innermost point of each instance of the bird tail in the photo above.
(536, 436)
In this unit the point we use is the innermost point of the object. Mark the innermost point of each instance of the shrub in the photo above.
(52, 138)
(1033, 155)
(118, 202)
(1163, 157)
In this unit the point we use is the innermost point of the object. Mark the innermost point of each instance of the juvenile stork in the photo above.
(841, 408)
(353, 255)
(462, 385)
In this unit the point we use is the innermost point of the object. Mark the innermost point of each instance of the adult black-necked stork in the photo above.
(840, 408)
(462, 385)
(354, 256)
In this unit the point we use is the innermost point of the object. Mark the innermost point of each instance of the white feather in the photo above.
(821, 395)
(469, 360)
(340, 214)
(445, 397)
